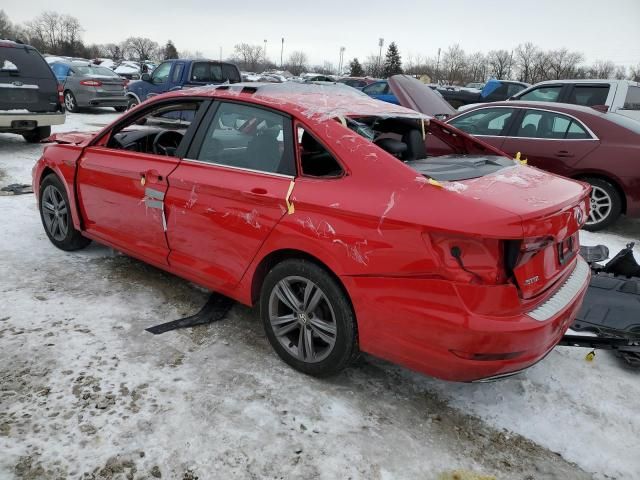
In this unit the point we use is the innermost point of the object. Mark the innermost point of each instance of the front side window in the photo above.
(249, 137)
(550, 125)
(486, 121)
(161, 74)
(542, 94)
(589, 95)
(158, 131)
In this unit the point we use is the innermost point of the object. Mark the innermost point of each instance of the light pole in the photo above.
(281, 50)
(265, 53)
(438, 66)
(342, 49)
(380, 44)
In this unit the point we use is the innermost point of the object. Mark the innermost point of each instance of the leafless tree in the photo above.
(6, 27)
(620, 73)
(634, 73)
(248, 57)
(55, 33)
(563, 63)
(476, 68)
(114, 51)
(453, 64)
(601, 69)
(525, 56)
(140, 49)
(499, 63)
(297, 62)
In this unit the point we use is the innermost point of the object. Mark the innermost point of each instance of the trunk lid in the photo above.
(26, 81)
(551, 209)
(414, 94)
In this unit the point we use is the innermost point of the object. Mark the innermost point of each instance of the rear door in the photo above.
(121, 182)
(590, 94)
(549, 140)
(230, 192)
(26, 81)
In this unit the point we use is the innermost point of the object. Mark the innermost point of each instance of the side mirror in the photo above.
(145, 77)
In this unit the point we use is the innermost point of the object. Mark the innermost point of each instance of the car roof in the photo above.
(585, 80)
(14, 44)
(310, 101)
(555, 106)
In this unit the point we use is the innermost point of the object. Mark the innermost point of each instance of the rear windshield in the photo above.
(103, 71)
(206, 72)
(632, 102)
(23, 62)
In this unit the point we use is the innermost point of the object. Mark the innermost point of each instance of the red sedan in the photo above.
(578, 142)
(319, 204)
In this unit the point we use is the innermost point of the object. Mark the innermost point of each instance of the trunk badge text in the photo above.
(532, 280)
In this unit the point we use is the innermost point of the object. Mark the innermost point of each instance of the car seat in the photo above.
(529, 130)
(263, 151)
(415, 145)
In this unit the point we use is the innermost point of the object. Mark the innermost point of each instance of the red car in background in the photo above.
(602, 149)
(320, 205)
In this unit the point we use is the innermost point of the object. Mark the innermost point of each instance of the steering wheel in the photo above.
(166, 142)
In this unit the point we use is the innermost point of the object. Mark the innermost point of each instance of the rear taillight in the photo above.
(468, 259)
(91, 83)
(60, 94)
(532, 246)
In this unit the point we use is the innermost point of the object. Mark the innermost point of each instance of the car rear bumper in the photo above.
(12, 121)
(120, 101)
(437, 334)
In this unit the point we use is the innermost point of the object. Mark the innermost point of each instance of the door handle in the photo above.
(258, 191)
(564, 154)
(150, 176)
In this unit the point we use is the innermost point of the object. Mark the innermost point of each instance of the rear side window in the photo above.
(377, 89)
(542, 94)
(315, 159)
(589, 95)
(539, 124)
(208, 72)
(632, 101)
(23, 62)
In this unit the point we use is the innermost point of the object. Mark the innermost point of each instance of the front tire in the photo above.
(606, 204)
(308, 318)
(37, 134)
(133, 101)
(70, 102)
(55, 213)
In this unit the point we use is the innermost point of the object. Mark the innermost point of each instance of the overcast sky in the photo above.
(607, 30)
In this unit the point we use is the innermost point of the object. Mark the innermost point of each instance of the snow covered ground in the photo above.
(85, 392)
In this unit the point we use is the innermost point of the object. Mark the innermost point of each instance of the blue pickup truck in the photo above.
(178, 74)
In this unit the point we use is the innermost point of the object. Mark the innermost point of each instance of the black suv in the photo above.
(30, 101)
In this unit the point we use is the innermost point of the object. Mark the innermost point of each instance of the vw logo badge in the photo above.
(578, 215)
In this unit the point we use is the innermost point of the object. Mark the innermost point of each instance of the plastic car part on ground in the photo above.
(611, 308)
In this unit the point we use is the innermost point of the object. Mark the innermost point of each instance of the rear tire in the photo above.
(37, 134)
(308, 318)
(120, 109)
(70, 102)
(55, 213)
(133, 101)
(606, 204)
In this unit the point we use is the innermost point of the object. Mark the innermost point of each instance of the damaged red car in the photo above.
(323, 207)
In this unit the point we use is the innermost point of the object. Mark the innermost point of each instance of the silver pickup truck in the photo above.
(30, 101)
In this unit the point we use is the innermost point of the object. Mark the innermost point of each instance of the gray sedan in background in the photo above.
(87, 85)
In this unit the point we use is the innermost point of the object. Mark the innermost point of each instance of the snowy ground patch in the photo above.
(85, 392)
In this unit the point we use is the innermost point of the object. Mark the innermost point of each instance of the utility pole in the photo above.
(380, 44)
(281, 50)
(342, 49)
(221, 53)
(438, 66)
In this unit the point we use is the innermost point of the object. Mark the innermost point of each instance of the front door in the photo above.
(229, 193)
(122, 180)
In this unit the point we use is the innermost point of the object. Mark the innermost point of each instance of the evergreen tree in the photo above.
(356, 68)
(170, 51)
(393, 61)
